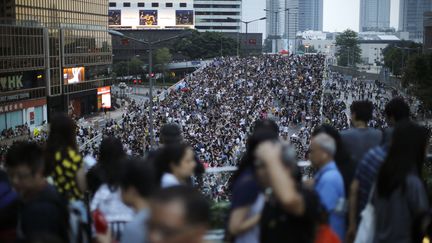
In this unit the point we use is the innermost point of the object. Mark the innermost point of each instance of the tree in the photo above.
(417, 77)
(135, 66)
(206, 45)
(349, 51)
(397, 55)
(163, 58)
(120, 68)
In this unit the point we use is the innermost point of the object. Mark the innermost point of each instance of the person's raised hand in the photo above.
(268, 152)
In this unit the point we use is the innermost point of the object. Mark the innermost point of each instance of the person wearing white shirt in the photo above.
(175, 164)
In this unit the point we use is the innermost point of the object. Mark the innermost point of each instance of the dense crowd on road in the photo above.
(16, 131)
(262, 115)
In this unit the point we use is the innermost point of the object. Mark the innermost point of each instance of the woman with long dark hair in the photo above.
(107, 197)
(247, 199)
(400, 194)
(63, 161)
(108, 169)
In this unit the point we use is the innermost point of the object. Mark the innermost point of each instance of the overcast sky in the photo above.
(339, 15)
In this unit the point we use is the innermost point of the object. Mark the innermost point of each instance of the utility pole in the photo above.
(150, 71)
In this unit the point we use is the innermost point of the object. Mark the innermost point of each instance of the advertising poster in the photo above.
(104, 97)
(73, 75)
(184, 17)
(148, 17)
(114, 17)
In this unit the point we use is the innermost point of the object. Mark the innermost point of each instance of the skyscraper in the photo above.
(213, 15)
(411, 17)
(273, 18)
(290, 20)
(374, 15)
(273, 22)
(310, 15)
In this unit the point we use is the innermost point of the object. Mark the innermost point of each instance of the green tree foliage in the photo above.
(135, 66)
(163, 57)
(120, 69)
(397, 55)
(417, 77)
(349, 52)
(206, 45)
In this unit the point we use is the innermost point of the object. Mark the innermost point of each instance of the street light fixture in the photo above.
(150, 45)
(247, 36)
(247, 24)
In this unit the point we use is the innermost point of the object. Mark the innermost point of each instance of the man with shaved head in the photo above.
(328, 181)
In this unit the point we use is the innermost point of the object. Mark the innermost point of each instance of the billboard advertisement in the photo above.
(148, 17)
(184, 17)
(104, 97)
(73, 75)
(114, 17)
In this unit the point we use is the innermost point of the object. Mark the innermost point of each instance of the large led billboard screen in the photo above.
(104, 97)
(148, 17)
(114, 17)
(73, 75)
(184, 17)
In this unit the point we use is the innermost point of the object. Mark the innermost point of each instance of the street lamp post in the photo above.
(150, 45)
(247, 36)
(287, 15)
(247, 25)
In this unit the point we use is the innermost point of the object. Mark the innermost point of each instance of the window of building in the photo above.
(141, 5)
(183, 5)
(38, 115)
(14, 119)
(155, 5)
(126, 4)
(168, 5)
(113, 4)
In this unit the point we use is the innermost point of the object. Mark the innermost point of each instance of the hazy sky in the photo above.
(338, 14)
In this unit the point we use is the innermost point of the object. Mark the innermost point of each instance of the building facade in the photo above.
(411, 17)
(374, 15)
(427, 35)
(273, 22)
(310, 15)
(218, 16)
(52, 59)
(155, 14)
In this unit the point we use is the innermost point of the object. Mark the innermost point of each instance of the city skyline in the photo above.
(333, 20)
(374, 15)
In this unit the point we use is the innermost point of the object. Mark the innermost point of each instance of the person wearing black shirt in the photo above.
(291, 212)
(42, 211)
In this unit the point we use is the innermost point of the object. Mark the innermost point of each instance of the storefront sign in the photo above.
(104, 97)
(21, 105)
(11, 82)
(11, 107)
(14, 97)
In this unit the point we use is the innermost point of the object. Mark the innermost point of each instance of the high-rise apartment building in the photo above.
(310, 15)
(54, 55)
(427, 35)
(218, 16)
(411, 17)
(374, 15)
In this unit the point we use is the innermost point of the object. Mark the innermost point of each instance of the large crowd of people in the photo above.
(261, 115)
